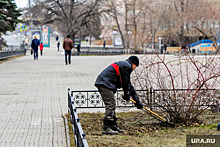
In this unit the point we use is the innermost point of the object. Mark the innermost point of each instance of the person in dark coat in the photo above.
(34, 45)
(67, 46)
(1, 40)
(58, 45)
(78, 49)
(115, 76)
(57, 37)
(104, 44)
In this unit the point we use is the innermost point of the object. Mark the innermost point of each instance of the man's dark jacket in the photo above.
(110, 80)
(35, 43)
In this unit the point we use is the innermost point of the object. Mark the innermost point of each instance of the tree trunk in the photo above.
(126, 28)
(135, 29)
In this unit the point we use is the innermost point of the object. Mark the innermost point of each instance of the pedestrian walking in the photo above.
(34, 45)
(41, 48)
(115, 76)
(26, 41)
(1, 42)
(86, 38)
(67, 46)
(58, 45)
(184, 49)
(104, 44)
(57, 37)
(78, 49)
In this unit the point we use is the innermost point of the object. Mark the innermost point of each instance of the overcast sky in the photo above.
(21, 3)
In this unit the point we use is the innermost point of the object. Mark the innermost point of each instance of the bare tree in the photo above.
(185, 21)
(70, 16)
(134, 23)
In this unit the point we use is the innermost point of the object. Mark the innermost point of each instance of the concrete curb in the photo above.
(67, 131)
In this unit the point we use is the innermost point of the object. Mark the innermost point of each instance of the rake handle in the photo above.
(150, 111)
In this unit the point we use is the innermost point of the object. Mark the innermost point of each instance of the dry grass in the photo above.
(141, 130)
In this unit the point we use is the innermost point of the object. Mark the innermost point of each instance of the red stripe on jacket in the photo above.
(116, 67)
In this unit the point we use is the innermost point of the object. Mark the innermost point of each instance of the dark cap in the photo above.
(134, 59)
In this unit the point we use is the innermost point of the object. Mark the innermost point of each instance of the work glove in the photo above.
(126, 97)
(139, 105)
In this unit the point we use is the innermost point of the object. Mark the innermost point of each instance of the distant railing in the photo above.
(11, 51)
(80, 139)
(114, 51)
(101, 51)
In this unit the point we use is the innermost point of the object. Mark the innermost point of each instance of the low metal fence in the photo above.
(80, 139)
(15, 47)
(153, 98)
(182, 97)
(11, 53)
(115, 51)
(92, 99)
(101, 51)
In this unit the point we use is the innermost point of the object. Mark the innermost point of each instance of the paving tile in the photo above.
(33, 95)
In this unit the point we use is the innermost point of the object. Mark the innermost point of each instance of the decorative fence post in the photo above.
(151, 92)
(80, 139)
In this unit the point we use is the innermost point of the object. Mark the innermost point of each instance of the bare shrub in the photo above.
(182, 85)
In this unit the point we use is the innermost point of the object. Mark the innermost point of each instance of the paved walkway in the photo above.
(33, 95)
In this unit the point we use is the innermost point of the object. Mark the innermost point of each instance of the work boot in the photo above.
(106, 129)
(109, 131)
(115, 126)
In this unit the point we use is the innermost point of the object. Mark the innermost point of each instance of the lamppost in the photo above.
(153, 31)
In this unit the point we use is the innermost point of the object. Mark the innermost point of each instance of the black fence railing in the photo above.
(92, 99)
(116, 51)
(80, 139)
(10, 53)
(153, 98)
(101, 51)
(13, 47)
(183, 97)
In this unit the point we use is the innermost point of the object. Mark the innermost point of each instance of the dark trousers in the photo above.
(110, 103)
(35, 54)
(68, 52)
(41, 52)
(58, 48)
